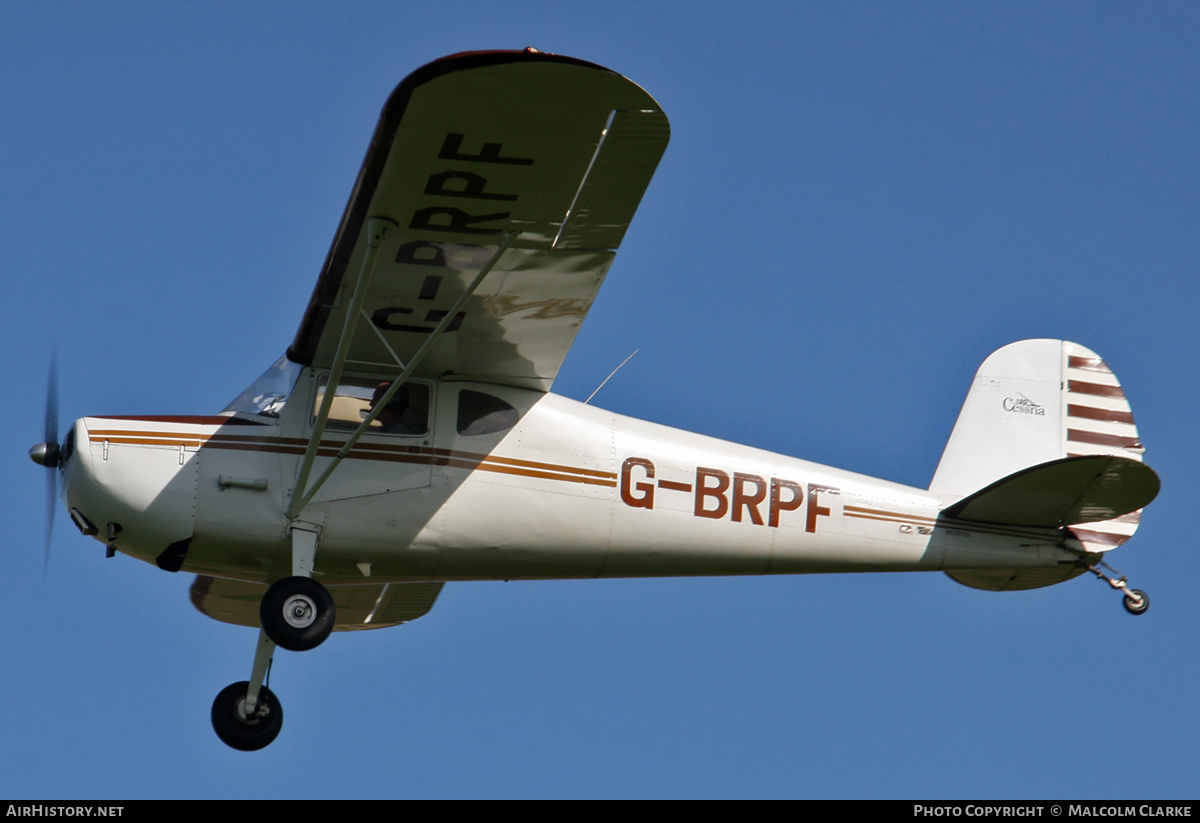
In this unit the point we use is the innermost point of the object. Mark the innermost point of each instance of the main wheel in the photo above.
(246, 733)
(1136, 601)
(297, 613)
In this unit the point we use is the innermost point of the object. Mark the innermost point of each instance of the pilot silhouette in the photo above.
(391, 419)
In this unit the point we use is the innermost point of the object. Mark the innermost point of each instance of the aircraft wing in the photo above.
(372, 606)
(469, 148)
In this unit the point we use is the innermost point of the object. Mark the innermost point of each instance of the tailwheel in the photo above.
(297, 613)
(1136, 601)
(245, 729)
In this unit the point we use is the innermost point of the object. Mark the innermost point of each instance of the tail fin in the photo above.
(1033, 402)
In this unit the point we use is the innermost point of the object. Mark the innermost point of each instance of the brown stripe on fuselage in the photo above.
(392, 452)
(256, 438)
(885, 519)
(154, 440)
(590, 481)
(862, 511)
(533, 464)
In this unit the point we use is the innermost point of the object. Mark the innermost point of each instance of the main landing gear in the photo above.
(297, 614)
(244, 726)
(1135, 601)
(247, 715)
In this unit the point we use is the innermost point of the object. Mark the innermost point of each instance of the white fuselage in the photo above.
(570, 491)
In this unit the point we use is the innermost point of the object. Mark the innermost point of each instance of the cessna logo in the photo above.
(1023, 405)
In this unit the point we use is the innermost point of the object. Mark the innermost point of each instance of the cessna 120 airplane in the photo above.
(409, 437)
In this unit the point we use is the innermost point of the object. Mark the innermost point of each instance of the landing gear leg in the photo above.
(1135, 601)
(246, 715)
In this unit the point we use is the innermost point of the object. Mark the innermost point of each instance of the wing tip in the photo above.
(459, 61)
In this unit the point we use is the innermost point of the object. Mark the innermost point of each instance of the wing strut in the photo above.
(377, 229)
(299, 501)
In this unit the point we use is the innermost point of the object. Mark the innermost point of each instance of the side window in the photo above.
(480, 413)
(355, 397)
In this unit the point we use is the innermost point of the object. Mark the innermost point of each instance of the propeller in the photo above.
(49, 454)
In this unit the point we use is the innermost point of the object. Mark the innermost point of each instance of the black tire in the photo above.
(235, 729)
(1136, 601)
(297, 613)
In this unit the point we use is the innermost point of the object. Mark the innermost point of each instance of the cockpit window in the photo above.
(406, 413)
(268, 393)
(480, 413)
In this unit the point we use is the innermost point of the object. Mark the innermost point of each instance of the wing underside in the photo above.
(469, 149)
(373, 606)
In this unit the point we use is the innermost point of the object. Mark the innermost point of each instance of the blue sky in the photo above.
(859, 203)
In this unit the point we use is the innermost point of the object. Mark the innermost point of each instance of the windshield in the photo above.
(268, 393)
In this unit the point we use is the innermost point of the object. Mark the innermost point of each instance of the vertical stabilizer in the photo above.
(1032, 402)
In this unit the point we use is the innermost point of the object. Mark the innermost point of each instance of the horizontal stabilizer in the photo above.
(1062, 493)
(373, 606)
